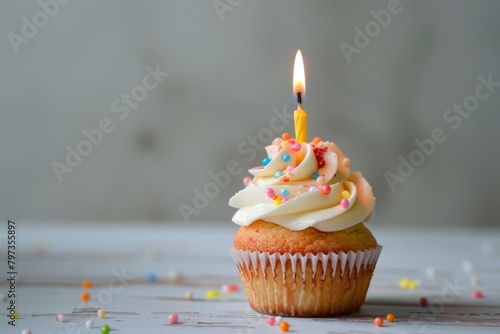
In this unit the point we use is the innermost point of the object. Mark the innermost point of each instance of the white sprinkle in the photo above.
(174, 275)
(189, 295)
(278, 320)
(60, 318)
(89, 324)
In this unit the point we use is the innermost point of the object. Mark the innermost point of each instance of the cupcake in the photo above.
(303, 248)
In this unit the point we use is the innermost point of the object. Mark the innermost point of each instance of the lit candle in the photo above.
(299, 89)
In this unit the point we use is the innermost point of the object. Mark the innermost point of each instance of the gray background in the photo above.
(227, 74)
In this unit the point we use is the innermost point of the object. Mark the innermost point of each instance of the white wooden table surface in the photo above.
(53, 259)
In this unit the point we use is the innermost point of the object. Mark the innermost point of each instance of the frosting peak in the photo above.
(303, 185)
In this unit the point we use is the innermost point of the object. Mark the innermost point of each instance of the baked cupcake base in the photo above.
(310, 285)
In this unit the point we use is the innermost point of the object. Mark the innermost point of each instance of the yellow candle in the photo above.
(299, 89)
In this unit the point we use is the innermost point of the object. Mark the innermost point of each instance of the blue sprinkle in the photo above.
(286, 158)
(265, 161)
(285, 192)
(152, 277)
(315, 175)
(278, 174)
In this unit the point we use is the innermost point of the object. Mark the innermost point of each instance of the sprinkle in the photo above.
(60, 318)
(467, 266)
(271, 321)
(211, 294)
(286, 158)
(230, 287)
(86, 284)
(173, 318)
(284, 326)
(390, 317)
(403, 283)
(289, 169)
(89, 324)
(317, 140)
(344, 202)
(265, 161)
(285, 192)
(326, 189)
(285, 136)
(277, 201)
(26, 331)
(314, 175)
(283, 143)
(105, 329)
(278, 174)
(346, 194)
(378, 322)
(270, 193)
(85, 296)
(101, 313)
(474, 280)
(412, 285)
(247, 180)
(296, 147)
(151, 277)
(189, 295)
(284, 200)
(476, 294)
(278, 320)
(423, 302)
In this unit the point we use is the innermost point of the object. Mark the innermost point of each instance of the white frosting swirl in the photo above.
(288, 192)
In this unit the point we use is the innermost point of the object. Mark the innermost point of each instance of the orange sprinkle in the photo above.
(378, 322)
(317, 140)
(86, 284)
(285, 136)
(390, 317)
(284, 326)
(85, 296)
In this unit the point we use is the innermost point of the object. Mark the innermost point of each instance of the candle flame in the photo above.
(299, 78)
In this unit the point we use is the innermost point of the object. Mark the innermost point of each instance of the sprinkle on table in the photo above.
(60, 318)
(378, 322)
(284, 326)
(85, 296)
(89, 324)
(87, 284)
(423, 302)
(173, 318)
(105, 329)
(390, 317)
(271, 321)
(101, 313)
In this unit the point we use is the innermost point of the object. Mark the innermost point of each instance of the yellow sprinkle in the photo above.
(346, 194)
(277, 201)
(412, 285)
(404, 283)
(283, 143)
(210, 294)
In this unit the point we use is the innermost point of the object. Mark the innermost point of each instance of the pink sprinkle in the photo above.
(173, 318)
(289, 169)
(230, 287)
(423, 302)
(296, 147)
(344, 202)
(270, 193)
(284, 200)
(476, 294)
(277, 141)
(326, 190)
(247, 180)
(271, 321)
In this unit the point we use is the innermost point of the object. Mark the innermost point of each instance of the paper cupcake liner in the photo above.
(309, 285)
(350, 261)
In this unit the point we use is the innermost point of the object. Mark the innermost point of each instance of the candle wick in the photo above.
(299, 98)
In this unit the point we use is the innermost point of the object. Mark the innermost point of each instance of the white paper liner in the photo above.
(366, 259)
